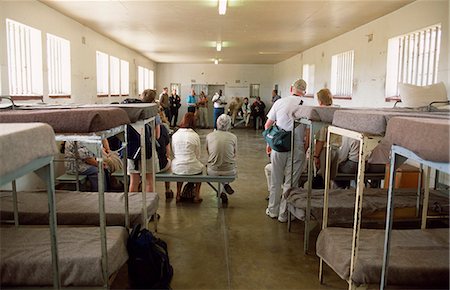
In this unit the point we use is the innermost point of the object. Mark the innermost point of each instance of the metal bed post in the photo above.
(153, 130)
(101, 204)
(294, 125)
(426, 197)
(77, 156)
(144, 174)
(47, 173)
(15, 203)
(125, 179)
(314, 127)
(325, 197)
(419, 189)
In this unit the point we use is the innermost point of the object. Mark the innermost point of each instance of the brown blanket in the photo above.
(418, 258)
(26, 258)
(77, 120)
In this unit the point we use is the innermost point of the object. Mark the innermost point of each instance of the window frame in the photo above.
(342, 70)
(58, 66)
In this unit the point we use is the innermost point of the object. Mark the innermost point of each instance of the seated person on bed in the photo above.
(133, 149)
(85, 163)
(186, 151)
(221, 146)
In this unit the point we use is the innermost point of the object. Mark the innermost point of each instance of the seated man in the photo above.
(258, 112)
(80, 159)
(221, 146)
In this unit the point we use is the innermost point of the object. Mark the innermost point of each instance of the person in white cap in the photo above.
(281, 113)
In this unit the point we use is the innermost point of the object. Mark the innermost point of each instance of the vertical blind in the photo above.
(342, 73)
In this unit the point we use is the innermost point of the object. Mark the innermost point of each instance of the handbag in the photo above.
(277, 138)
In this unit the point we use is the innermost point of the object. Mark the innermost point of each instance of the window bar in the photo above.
(437, 51)
(19, 61)
(29, 64)
(405, 60)
(59, 67)
(415, 50)
(352, 62)
(420, 59)
(51, 66)
(433, 50)
(400, 63)
(343, 73)
(11, 59)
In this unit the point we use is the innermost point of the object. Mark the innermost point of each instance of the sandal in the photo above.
(197, 200)
(169, 194)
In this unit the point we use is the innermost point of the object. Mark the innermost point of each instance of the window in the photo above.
(308, 77)
(124, 78)
(342, 74)
(24, 59)
(199, 88)
(114, 76)
(58, 62)
(254, 90)
(176, 87)
(413, 58)
(145, 79)
(102, 74)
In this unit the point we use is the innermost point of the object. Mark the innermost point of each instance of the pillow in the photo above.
(417, 96)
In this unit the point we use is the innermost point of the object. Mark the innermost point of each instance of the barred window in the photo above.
(308, 77)
(24, 49)
(102, 74)
(413, 59)
(114, 76)
(342, 74)
(58, 62)
(145, 79)
(124, 78)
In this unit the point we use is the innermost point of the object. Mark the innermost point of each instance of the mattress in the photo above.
(26, 259)
(77, 120)
(77, 208)
(319, 114)
(29, 141)
(135, 111)
(341, 202)
(418, 258)
(374, 122)
(415, 134)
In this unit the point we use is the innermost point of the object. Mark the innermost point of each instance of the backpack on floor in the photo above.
(148, 262)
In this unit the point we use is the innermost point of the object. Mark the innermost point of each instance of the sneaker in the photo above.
(228, 189)
(272, 216)
(284, 218)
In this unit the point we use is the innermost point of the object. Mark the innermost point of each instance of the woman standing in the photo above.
(203, 111)
(175, 104)
(186, 150)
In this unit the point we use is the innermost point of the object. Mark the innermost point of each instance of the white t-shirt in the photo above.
(282, 112)
(219, 101)
(186, 151)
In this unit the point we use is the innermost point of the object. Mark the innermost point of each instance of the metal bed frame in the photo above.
(314, 127)
(398, 156)
(43, 167)
(367, 144)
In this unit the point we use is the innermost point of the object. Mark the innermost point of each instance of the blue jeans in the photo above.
(217, 113)
(92, 175)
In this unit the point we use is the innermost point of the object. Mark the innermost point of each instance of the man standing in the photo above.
(219, 106)
(275, 96)
(164, 102)
(282, 113)
(191, 102)
(175, 104)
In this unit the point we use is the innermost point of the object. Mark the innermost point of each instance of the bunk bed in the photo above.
(434, 155)
(89, 126)
(34, 144)
(95, 119)
(368, 127)
(314, 118)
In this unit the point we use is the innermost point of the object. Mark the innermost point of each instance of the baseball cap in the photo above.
(299, 85)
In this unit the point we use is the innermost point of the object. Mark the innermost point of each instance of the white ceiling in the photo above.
(252, 31)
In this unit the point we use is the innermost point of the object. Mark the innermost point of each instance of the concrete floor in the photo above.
(237, 247)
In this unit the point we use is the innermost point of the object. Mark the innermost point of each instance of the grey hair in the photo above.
(224, 122)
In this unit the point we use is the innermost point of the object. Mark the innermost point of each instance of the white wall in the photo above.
(83, 56)
(221, 74)
(83, 59)
(370, 57)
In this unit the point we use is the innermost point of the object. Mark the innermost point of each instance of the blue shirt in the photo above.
(191, 101)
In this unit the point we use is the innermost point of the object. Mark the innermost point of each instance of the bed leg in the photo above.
(155, 222)
(321, 271)
(289, 221)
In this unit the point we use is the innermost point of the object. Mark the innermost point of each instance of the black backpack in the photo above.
(148, 262)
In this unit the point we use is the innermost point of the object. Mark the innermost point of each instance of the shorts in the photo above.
(131, 168)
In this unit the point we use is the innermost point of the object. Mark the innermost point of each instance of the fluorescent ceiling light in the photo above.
(219, 45)
(222, 7)
(216, 61)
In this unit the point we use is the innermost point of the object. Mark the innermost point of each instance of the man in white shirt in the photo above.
(282, 112)
(219, 106)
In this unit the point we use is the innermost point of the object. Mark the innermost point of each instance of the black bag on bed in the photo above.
(148, 262)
